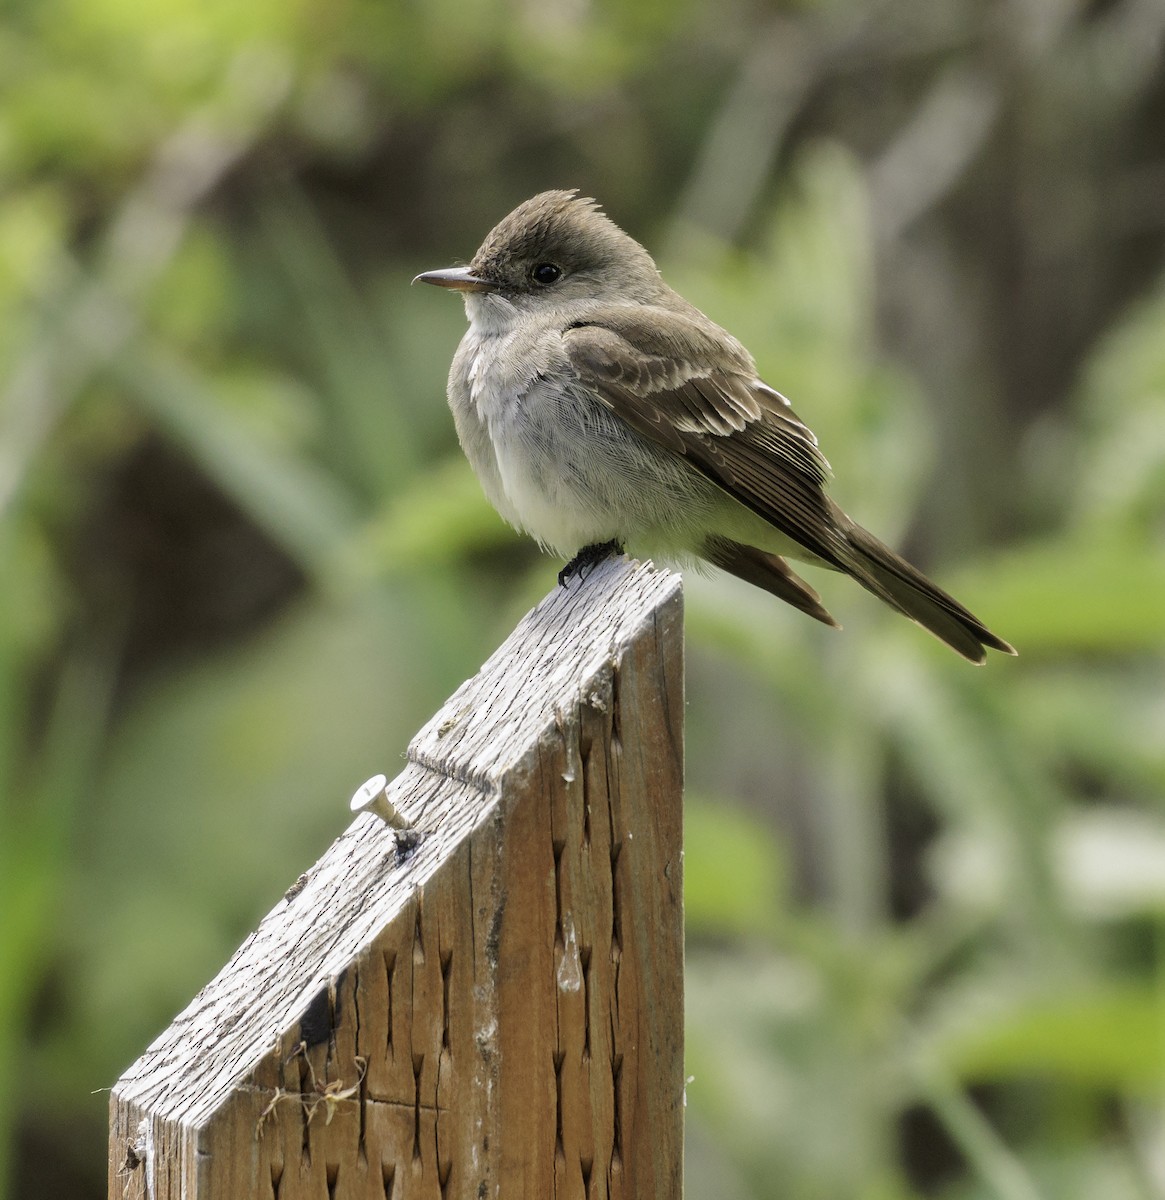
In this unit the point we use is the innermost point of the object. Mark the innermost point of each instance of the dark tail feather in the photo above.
(767, 571)
(891, 578)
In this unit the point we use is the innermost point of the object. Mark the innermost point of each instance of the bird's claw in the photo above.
(588, 558)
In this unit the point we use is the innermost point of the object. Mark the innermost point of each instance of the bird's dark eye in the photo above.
(546, 273)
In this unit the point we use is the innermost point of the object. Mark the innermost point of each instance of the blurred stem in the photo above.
(738, 153)
(854, 850)
(1000, 1170)
(89, 319)
(349, 345)
(933, 149)
(33, 853)
(1146, 1119)
(1028, 810)
(301, 507)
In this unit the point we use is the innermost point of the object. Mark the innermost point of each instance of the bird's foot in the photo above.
(588, 558)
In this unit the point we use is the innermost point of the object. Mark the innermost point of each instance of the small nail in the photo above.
(372, 797)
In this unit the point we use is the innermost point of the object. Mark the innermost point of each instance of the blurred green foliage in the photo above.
(243, 559)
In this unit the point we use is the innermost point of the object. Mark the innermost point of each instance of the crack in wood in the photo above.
(559, 1058)
(446, 974)
(418, 932)
(616, 904)
(616, 705)
(403, 1106)
(330, 1053)
(617, 1110)
(305, 1074)
(586, 758)
(418, 1106)
(474, 914)
(585, 961)
(315, 1025)
(675, 738)
(559, 931)
(361, 1147)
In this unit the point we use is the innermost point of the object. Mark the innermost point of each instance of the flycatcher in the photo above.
(601, 410)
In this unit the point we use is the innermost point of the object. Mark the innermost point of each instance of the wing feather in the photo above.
(694, 394)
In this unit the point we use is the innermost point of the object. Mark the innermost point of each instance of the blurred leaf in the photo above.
(1067, 1171)
(1122, 450)
(37, 836)
(733, 872)
(437, 518)
(31, 603)
(32, 227)
(1101, 592)
(1110, 1037)
(782, 1061)
(1107, 863)
(1106, 723)
(193, 302)
(303, 508)
(370, 442)
(1111, 863)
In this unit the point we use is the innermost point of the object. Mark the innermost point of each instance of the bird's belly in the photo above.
(571, 474)
(553, 483)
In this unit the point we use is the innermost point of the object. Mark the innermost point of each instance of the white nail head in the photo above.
(372, 796)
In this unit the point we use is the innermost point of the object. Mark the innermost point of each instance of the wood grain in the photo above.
(497, 1013)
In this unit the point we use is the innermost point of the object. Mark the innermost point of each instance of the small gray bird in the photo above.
(601, 410)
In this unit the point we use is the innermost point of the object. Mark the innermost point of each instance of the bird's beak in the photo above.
(461, 279)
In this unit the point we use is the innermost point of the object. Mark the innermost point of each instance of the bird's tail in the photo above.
(892, 579)
(768, 571)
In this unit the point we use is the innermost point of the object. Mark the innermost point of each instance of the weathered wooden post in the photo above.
(495, 1011)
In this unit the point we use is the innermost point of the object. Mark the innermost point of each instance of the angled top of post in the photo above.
(486, 726)
(492, 725)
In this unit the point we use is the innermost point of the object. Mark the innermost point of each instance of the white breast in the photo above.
(475, 372)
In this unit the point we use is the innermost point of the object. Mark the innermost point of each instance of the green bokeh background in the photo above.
(242, 558)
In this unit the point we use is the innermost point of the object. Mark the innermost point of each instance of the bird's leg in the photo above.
(586, 558)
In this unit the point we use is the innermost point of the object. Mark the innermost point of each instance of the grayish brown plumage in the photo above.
(598, 407)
